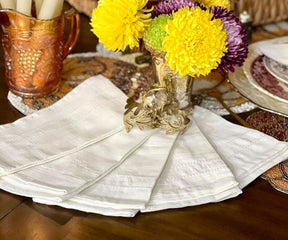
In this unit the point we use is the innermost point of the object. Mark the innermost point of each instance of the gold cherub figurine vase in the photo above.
(165, 104)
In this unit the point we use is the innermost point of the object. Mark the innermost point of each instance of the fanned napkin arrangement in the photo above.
(76, 154)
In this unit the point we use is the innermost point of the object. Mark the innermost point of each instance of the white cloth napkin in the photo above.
(247, 152)
(81, 118)
(67, 176)
(195, 174)
(99, 168)
(276, 51)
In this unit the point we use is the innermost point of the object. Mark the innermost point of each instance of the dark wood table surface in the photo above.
(260, 212)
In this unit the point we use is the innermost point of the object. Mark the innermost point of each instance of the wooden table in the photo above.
(259, 213)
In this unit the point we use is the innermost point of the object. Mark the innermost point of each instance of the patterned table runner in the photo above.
(277, 127)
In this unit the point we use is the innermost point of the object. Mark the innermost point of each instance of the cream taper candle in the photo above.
(50, 9)
(8, 4)
(24, 6)
(38, 4)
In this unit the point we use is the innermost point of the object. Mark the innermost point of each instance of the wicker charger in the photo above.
(262, 11)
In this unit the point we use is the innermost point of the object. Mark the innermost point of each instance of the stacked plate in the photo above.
(278, 70)
(263, 80)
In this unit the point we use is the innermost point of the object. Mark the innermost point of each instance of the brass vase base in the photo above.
(157, 108)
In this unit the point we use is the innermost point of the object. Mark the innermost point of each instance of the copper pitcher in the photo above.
(34, 51)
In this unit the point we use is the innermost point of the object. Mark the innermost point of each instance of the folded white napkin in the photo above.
(65, 128)
(195, 174)
(275, 51)
(67, 176)
(247, 152)
(99, 168)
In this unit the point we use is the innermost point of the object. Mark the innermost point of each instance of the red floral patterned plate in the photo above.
(255, 83)
(268, 83)
(278, 70)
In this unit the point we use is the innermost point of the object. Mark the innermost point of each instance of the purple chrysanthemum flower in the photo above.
(168, 6)
(237, 40)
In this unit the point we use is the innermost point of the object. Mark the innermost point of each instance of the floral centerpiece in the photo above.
(186, 38)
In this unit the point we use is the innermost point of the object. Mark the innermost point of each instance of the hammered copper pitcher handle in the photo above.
(74, 16)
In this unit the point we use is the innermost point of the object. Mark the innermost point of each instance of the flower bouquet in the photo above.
(186, 39)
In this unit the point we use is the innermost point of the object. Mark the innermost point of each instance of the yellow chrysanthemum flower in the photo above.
(119, 23)
(194, 44)
(215, 3)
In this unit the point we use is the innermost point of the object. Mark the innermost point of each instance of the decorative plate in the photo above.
(258, 76)
(278, 70)
(256, 94)
(267, 83)
(248, 87)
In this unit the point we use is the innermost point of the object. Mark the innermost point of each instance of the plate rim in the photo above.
(254, 52)
(272, 72)
(248, 90)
